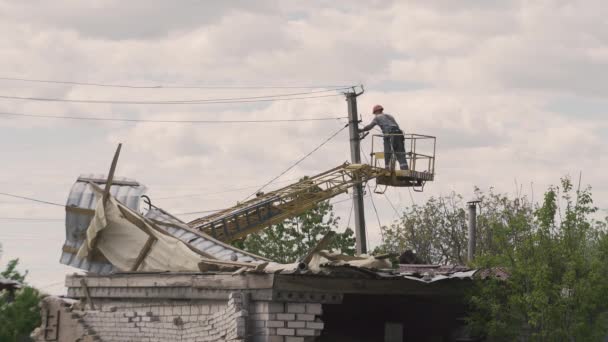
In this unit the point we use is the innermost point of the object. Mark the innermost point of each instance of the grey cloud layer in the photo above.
(512, 89)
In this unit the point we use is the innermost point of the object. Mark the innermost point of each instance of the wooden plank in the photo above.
(325, 241)
(69, 249)
(230, 263)
(106, 192)
(85, 289)
(145, 225)
(144, 252)
(78, 210)
(104, 181)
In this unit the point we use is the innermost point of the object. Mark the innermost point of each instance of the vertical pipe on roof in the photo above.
(472, 229)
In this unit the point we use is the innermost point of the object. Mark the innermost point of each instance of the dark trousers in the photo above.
(395, 143)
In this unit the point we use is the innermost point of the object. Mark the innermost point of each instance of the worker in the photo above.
(393, 137)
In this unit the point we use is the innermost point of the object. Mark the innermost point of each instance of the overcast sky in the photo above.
(515, 92)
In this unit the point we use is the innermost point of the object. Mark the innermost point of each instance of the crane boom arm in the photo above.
(274, 207)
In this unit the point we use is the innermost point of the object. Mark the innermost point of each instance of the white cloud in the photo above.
(491, 79)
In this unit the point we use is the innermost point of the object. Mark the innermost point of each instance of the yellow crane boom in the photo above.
(274, 207)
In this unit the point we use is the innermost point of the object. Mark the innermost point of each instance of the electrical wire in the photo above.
(223, 191)
(377, 216)
(199, 212)
(216, 210)
(166, 86)
(298, 161)
(166, 121)
(368, 188)
(266, 98)
(392, 205)
(411, 197)
(31, 219)
(350, 213)
(31, 199)
(47, 285)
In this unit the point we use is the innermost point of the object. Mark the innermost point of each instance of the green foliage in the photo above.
(436, 231)
(288, 241)
(557, 258)
(20, 315)
(556, 254)
(11, 271)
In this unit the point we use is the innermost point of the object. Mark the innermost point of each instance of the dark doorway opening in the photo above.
(363, 318)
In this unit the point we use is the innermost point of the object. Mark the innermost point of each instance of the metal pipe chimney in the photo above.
(472, 205)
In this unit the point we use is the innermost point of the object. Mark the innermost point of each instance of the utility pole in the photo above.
(355, 156)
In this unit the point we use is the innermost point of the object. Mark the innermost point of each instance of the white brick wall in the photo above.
(284, 322)
(233, 320)
(151, 321)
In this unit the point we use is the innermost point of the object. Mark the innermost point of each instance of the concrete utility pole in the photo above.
(355, 156)
(472, 229)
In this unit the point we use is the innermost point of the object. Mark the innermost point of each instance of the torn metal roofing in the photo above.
(197, 239)
(80, 209)
(83, 196)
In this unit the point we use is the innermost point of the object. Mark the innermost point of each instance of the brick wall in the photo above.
(284, 322)
(154, 320)
(147, 321)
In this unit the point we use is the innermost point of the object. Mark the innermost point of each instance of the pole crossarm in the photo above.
(274, 207)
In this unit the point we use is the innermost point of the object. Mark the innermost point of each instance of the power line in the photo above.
(411, 197)
(46, 286)
(341, 201)
(299, 161)
(350, 213)
(167, 86)
(377, 216)
(31, 219)
(392, 205)
(199, 212)
(223, 191)
(166, 121)
(266, 98)
(31, 199)
(216, 210)
(384, 193)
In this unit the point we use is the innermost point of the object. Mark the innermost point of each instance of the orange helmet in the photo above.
(377, 109)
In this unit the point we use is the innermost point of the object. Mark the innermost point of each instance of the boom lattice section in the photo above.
(274, 207)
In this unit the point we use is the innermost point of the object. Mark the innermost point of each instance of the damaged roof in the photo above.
(80, 209)
(213, 256)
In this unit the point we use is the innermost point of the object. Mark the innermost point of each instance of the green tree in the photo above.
(557, 256)
(436, 231)
(288, 241)
(11, 271)
(21, 315)
(556, 253)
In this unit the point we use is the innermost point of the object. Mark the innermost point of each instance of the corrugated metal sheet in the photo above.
(199, 240)
(129, 192)
(83, 196)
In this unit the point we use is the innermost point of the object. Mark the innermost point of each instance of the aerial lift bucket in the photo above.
(419, 154)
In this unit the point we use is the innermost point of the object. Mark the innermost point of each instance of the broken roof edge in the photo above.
(275, 286)
(80, 207)
(182, 225)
